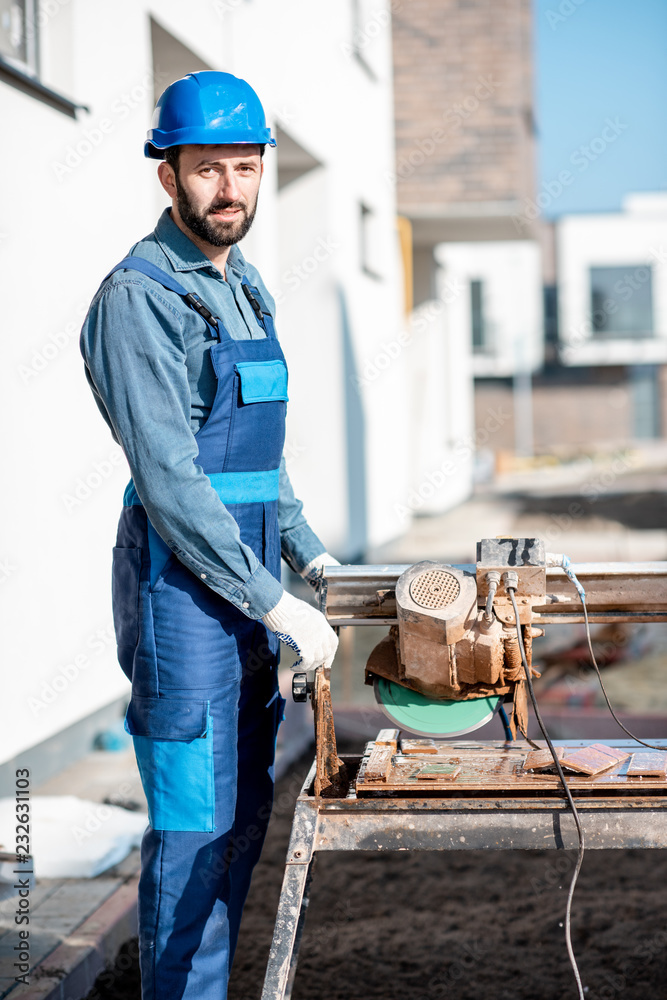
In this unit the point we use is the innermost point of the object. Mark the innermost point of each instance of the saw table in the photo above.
(405, 793)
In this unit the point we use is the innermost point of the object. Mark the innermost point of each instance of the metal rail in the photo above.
(615, 592)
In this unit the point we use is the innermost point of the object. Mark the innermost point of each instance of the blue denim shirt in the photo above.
(147, 361)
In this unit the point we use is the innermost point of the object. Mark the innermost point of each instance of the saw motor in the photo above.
(453, 657)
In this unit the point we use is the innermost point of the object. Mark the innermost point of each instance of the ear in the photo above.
(167, 179)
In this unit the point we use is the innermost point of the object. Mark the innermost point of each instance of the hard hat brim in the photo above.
(157, 140)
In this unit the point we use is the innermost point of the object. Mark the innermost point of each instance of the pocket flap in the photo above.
(167, 718)
(262, 381)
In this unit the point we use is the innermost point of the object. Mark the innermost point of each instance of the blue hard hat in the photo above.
(207, 108)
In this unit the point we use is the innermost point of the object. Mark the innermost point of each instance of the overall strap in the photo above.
(167, 281)
(260, 309)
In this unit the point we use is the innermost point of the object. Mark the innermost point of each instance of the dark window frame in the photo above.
(604, 317)
(365, 212)
(478, 328)
(357, 52)
(24, 74)
(27, 84)
(30, 40)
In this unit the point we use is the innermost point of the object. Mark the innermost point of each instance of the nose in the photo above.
(228, 188)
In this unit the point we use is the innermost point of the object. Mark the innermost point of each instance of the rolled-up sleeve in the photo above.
(135, 357)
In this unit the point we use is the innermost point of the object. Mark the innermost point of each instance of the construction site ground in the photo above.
(469, 925)
(486, 925)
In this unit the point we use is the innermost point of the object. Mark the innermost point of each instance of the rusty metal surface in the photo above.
(499, 770)
(501, 829)
(616, 591)
(331, 777)
(526, 822)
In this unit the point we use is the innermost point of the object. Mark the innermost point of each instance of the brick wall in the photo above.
(463, 102)
(579, 415)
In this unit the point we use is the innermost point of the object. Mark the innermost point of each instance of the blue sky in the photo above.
(600, 61)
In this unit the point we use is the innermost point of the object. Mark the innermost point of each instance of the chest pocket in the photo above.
(262, 381)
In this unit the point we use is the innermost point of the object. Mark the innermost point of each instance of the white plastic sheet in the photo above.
(73, 838)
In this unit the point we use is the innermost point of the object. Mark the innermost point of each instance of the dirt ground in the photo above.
(470, 925)
(477, 925)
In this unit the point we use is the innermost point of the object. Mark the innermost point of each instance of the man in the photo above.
(182, 356)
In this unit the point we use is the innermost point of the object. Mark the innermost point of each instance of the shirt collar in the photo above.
(182, 252)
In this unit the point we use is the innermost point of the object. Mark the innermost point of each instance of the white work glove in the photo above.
(304, 629)
(311, 571)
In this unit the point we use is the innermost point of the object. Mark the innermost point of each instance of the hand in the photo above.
(304, 629)
(311, 572)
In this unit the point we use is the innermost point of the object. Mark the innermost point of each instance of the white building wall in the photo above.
(634, 239)
(510, 272)
(441, 427)
(81, 194)
(332, 319)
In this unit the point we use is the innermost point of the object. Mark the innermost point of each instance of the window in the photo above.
(369, 20)
(479, 338)
(644, 380)
(622, 301)
(369, 238)
(18, 34)
(19, 53)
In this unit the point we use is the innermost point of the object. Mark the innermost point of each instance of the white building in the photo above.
(78, 194)
(500, 303)
(612, 281)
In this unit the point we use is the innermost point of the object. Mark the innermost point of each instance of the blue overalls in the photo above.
(205, 704)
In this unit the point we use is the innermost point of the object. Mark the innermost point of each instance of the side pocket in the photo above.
(173, 743)
(126, 569)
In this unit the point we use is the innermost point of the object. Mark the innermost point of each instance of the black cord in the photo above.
(651, 746)
(568, 793)
(506, 725)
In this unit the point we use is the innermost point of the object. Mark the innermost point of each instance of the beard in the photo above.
(216, 232)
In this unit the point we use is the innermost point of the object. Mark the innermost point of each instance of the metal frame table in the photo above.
(445, 823)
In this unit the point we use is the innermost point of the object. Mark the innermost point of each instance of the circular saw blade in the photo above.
(428, 717)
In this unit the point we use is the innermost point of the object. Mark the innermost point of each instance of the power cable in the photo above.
(564, 562)
(575, 815)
